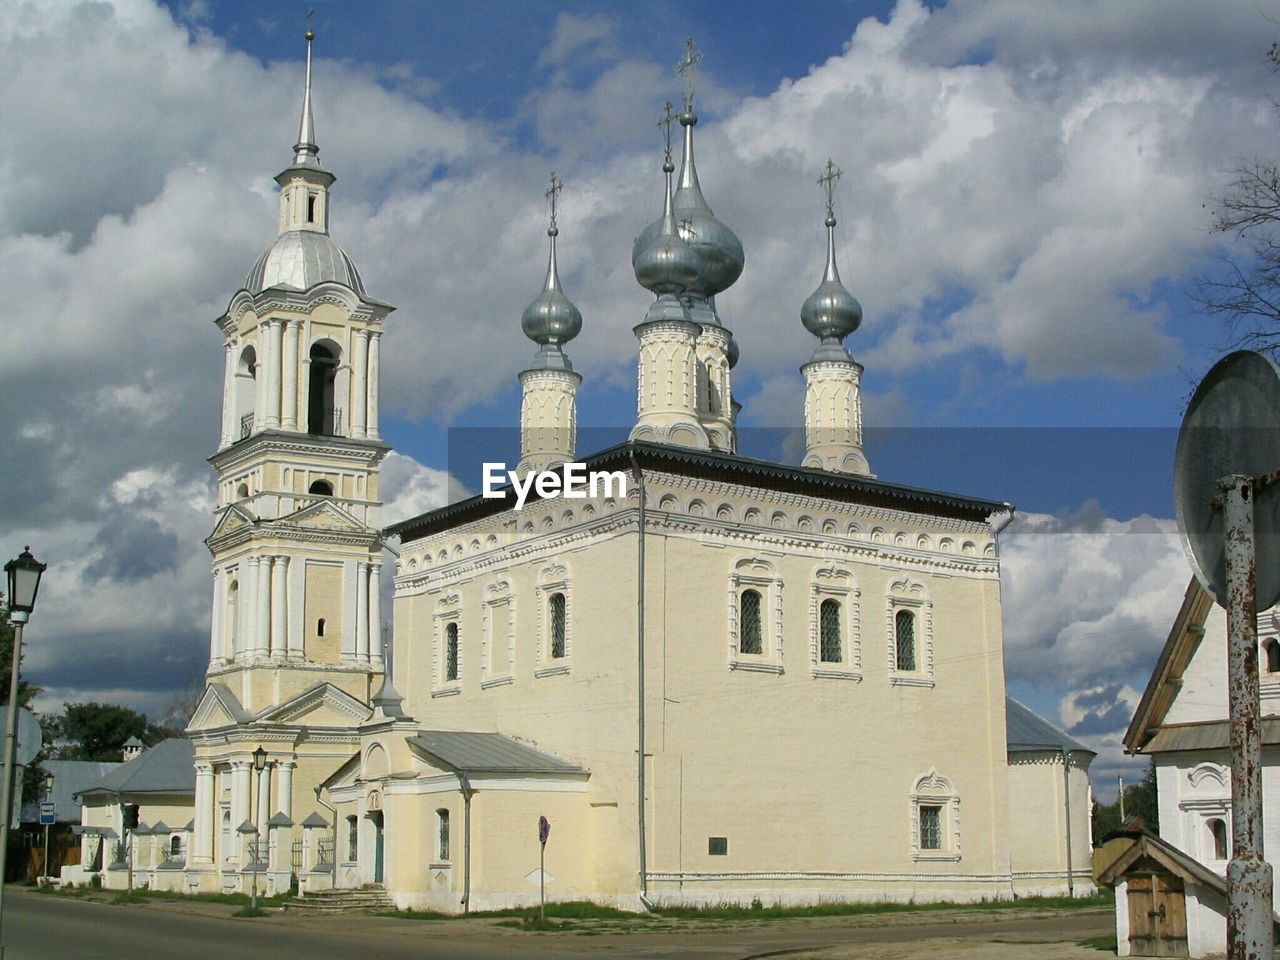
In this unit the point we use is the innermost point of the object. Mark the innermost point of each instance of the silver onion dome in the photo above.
(831, 313)
(551, 320)
(717, 248)
(299, 259)
(665, 264)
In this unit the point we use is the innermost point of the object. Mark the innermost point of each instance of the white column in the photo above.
(240, 770)
(289, 362)
(274, 330)
(375, 614)
(359, 392)
(285, 788)
(262, 812)
(362, 612)
(371, 421)
(202, 842)
(260, 379)
(215, 617)
(279, 606)
(248, 600)
(295, 585)
(230, 429)
(263, 607)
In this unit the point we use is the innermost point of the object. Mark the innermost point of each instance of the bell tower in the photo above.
(297, 553)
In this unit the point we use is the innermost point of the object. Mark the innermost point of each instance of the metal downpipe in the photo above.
(640, 780)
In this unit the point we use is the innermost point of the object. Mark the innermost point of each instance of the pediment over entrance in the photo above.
(323, 705)
(324, 515)
(219, 707)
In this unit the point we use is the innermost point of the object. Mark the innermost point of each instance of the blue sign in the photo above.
(47, 815)
(544, 829)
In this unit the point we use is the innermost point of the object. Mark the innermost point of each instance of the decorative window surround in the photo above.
(448, 610)
(830, 582)
(552, 579)
(1196, 815)
(498, 639)
(755, 573)
(934, 790)
(909, 594)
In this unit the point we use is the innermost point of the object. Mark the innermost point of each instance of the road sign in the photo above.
(544, 829)
(1232, 427)
(47, 814)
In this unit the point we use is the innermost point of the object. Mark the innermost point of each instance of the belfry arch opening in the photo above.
(245, 391)
(322, 414)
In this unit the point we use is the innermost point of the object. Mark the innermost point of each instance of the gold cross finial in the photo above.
(687, 68)
(667, 119)
(553, 194)
(828, 183)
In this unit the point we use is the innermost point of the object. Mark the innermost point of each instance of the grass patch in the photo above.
(567, 910)
(758, 911)
(1105, 943)
(250, 912)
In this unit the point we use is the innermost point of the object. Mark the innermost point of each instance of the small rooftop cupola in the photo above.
(549, 408)
(132, 748)
(666, 406)
(833, 404)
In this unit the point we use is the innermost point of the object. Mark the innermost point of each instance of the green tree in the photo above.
(95, 731)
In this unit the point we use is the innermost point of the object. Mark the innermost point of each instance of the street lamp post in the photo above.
(48, 796)
(259, 763)
(24, 582)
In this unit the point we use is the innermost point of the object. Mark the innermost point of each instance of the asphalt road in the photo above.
(40, 927)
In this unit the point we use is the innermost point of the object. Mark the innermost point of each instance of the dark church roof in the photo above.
(731, 468)
(1028, 732)
(166, 768)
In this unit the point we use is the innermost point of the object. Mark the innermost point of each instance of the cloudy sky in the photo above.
(1027, 195)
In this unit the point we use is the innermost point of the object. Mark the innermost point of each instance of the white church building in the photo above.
(720, 679)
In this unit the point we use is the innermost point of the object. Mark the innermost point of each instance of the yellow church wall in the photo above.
(1037, 825)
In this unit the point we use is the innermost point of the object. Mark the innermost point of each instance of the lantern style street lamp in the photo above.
(24, 583)
(259, 764)
(48, 796)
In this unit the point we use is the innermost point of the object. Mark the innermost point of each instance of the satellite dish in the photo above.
(1232, 426)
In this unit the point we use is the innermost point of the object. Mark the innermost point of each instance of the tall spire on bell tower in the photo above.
(305, 150)
(833, 404)
(548, 408)
(304, 184)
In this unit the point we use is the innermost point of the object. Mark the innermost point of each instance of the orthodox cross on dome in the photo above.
(553, 194)
(668, 118)
(687, 68)
(828, 183)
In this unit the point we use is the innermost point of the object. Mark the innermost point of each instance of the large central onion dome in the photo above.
(299, 259)
(717, 248)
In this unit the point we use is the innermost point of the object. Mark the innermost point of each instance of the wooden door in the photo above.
(1157, 916)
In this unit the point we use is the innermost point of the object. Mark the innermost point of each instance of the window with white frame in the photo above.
(447, 675)
(497, 657)
(1217, 839)
(442, 834)
(555, 620)
(935, 818)
(834, 647)
(909, 633)
(755, 616)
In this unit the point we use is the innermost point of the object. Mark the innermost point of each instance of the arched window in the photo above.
(451, 651)
(353, 839)
(1218, 835)
(175, 847)
(321, 415)
(321, 487)
(442, 818)
(311, 208)
(555, 610)
(246, 390)
(1272, 649)
(829, 626)
(750, 638)
(242, 491)
(904, 627)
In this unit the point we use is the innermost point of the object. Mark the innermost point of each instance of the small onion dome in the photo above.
(664, 263)
(831, 313)
(551, 319)
(731, 352)
(717, 248)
